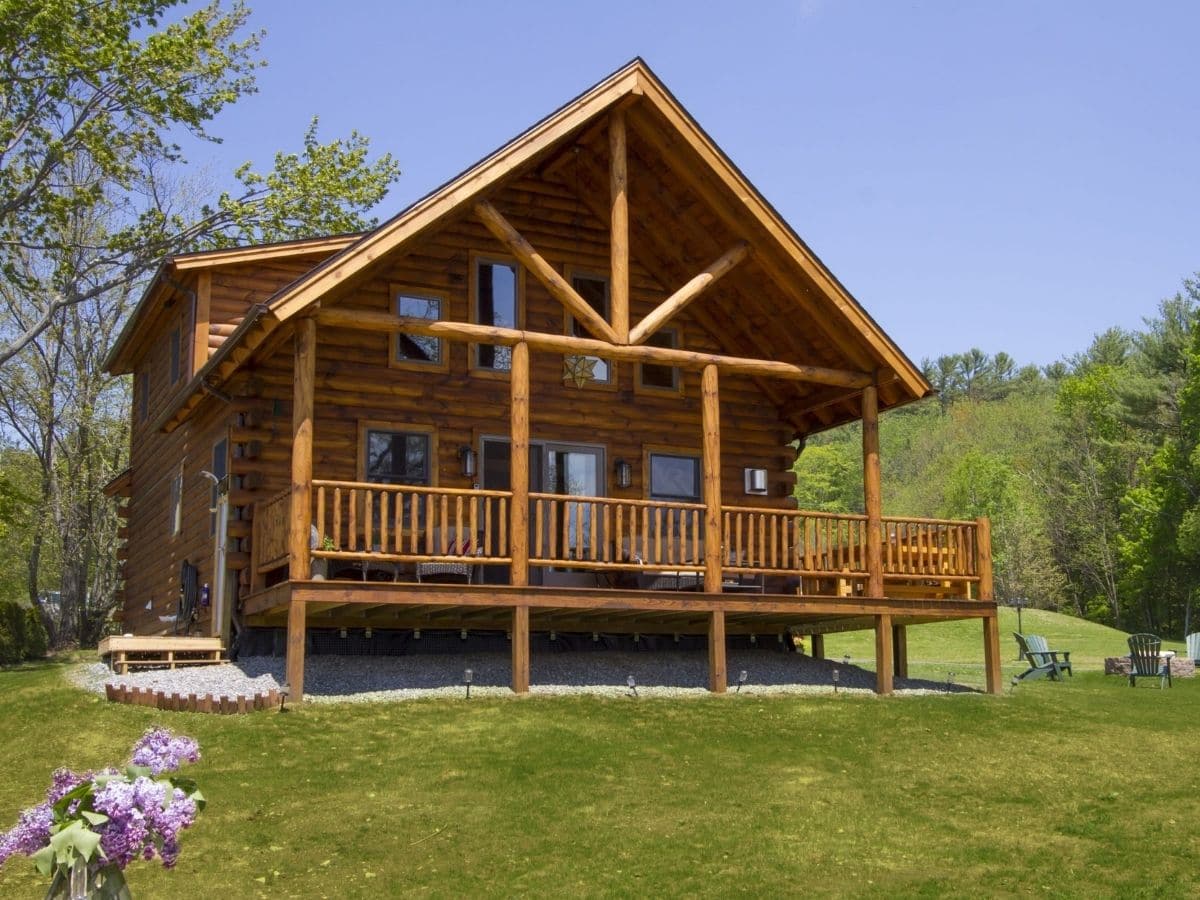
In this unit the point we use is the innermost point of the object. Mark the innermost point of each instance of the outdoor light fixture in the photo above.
(462, 635)
(1015, 681)
(756, 481)
(367, 632)
(632, 685)
(468, 677)
(835, 680)
(342, 633)
(624, 473)
(466, 461)
(742, 676)
(846, 660)
(950, 678)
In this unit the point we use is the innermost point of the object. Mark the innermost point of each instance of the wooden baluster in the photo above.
(398, 522)
(337, 519)
(321, 517)
(658, 530)
(487, 527)
(672, 544)
(888, 544)
(539, 527)
(353, 518)
(414, 520)
(503, 514)
(593, 513)
(383, 521)
(460, 535)
(619, 537)
(474, 520)
(607, 537)
(694, 520)
(762, 540)
(737, 537)
(645, 532)
(430, 524)
(566, 528)
(960, 567)
(368, 520)
(552, 529)
(806, 544)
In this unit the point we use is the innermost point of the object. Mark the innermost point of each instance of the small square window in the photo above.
(655, 376)
(416, 348)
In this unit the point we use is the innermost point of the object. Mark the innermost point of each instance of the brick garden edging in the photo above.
(201, 703)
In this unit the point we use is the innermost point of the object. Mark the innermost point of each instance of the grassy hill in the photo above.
(1082, 789)
(934, 650)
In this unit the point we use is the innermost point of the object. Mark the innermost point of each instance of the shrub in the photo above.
(37, 642)
(22, 635)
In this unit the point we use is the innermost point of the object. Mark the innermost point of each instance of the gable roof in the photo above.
(668, 129)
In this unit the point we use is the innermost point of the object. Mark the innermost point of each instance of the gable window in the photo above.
(418, 349)
(175, 522)
(392, 456)
(176, 355)
(220, 468)
(593, 289)
(497, 303)
(143, 392)
(658, 377)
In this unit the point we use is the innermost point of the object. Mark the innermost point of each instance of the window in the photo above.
(414, 348)
(674, 477)
(496, 303)
(176, 355)
(143, 392)
(175, 523)
(654, 376)
(220, 468)
(398, 457)
(594, 290)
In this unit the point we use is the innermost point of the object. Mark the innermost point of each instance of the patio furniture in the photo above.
(1042, 660)
(447, 571)
(1193, 646)
(1145, 660)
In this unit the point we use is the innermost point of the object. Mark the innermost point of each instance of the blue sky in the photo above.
(1016, 176)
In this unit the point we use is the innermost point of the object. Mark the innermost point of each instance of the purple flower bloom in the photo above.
(161, 751)
(30, 834)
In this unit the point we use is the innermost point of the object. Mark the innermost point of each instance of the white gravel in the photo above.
(329, 678)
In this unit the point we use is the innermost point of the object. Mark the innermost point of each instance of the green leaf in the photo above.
(94, 818)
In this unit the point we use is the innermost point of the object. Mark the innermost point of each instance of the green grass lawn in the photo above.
(1081, 789)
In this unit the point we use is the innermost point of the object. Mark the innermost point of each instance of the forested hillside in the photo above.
(1089, 468)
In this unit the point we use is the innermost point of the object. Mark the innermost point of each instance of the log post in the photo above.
(884, 664)
(872, 500)
(619, 230)
(519, 512)
(991, 654)
(718, 679)
(818, 646)
(300, 514)
(714, 552)
(295, 650)
(983, 565)
(900, 650)
(520, 650)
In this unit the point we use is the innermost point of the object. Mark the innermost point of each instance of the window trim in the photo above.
(475, 259)
(395, 290)
(570, 273)
(365, 425)
(677, 388)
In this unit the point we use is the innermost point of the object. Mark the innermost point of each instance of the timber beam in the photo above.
(370, 320)
(677, 302)
(558, 286)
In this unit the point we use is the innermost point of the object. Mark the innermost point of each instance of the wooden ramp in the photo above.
(122, 652)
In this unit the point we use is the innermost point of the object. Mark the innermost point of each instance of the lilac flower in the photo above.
(161, 751)
(30, 834)
(62, 782)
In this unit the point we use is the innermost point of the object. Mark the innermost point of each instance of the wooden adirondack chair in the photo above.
(1144, 661)
(1042, 660)
(1193, 647)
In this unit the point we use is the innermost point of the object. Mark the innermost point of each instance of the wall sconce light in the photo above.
(466, 461)
(756, 481)
(624, 473)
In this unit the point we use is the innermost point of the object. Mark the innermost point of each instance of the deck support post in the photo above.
(295, 650)
(518, 532)
(718, 678)
(884, 664)
(818, 646)
(872, 500)
(300, 513)
(520, 650)
(983, 565)
(619, 230)
(710, 418)
(991, 654)
(900, 650)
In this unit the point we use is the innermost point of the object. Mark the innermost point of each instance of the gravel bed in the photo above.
(330, 678)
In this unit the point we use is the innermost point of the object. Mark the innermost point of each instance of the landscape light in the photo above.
(342, 632)
(462, 635)
(416, 634)
(632, 685)
(846, 660)
(754, 638)
(468, 677)
(1015, 681)
(742, 676)
(950, 678)
(367, 632)
(554, 635)
(835, 680)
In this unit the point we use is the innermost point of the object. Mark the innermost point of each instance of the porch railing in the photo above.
(415, 524)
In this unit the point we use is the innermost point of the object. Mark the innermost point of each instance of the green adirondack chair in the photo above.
(1042, 660)
(1144, 661)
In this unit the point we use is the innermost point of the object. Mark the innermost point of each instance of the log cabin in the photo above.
(563, 392)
